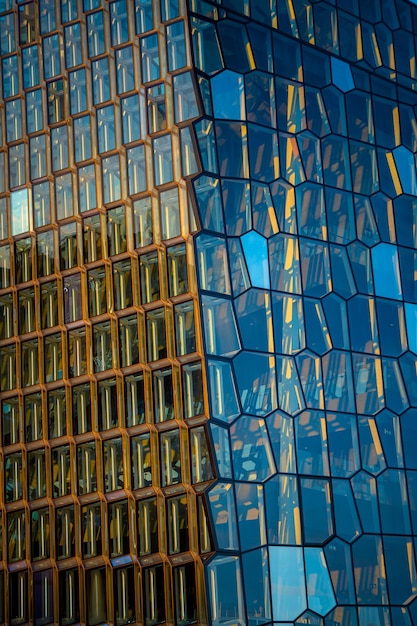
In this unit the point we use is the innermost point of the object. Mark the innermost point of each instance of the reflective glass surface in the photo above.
(208, 312)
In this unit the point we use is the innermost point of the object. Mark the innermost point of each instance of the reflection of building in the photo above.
(208, 212)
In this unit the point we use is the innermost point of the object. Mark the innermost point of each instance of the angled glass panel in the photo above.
(255, 376)
(228, 93)
(320, 595)
(283, 511)
(347, 521)
(225, 590)
(251, 451)
(287, 582)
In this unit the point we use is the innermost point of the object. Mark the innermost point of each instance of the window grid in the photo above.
(76, 397)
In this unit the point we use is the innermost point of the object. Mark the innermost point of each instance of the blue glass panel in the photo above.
(256, 254)
(401, 569)
(391, 324)
(317, 333)
(263, 211)
(224, 403)
(386, 271)
(10, 75)
(338, 384)
(283, 197)
(261, 42)
(360, 120)
(162, 159)
(335, 106)
(364, 336)
(237, 206)
(409, 436)
(260, 99)
(342, 277)
(206, 143)
(284, 262)
(365, 221)
(395, 392)
(264, 158)
(281, 434)
(384, 215)
(376, 615)
(30, 66)
(130, 118)
(308, 365)
(406, 166)
(255, 376)
(347, 521)
(144, 17)
(311, 211)
(185, 99)
(220, 326)
(317, 120)
(371, 450)
(389, 431)
(369, 388)
(251, 515)
(399, 614)
(408, 363)
(339, 561)
(290, 394)
(288, 323)
(235, 45)
(365, 176)
(206, 46)
(118, 22)
(225, 590)
(360, 260)
(20, 211)
(150, 58)
(256, 576)
(364, 489)
(228, 93)
(287, 582)
(232, 149)
(412, 498)
(222, 507)
(310, 154)
(283, 512)
(411, 321)
(254, 319)
(389, 180)
(176, 48)
(316, 510)
(291, 163)
(212, 265)
(209, 201)
(238, 268)
(342, 75)
(393, 502)
(405, 211)
(315, 267)
(336, 162)
(311, 440)
(188, 155)
(335, 310)
(252, 455)
(319, 587)
(369, 568)
(340, 216)
(221, 444)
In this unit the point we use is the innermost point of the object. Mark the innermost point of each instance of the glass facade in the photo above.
(208, 312)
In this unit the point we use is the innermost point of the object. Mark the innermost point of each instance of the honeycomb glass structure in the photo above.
(208, 312)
